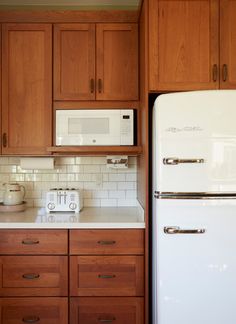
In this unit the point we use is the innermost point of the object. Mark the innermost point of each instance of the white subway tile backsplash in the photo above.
(117, 194)
(117, 177)
(108, 202)
(101, 186)
(92, 202)
(92, 168)
(126, 185)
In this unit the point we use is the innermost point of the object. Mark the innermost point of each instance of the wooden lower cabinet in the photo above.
(106, 276)
(125, 310)
(44, 310)
(33, 276)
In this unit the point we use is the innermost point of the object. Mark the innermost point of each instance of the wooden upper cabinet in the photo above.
(183, 44)
(74, 62)
(228, 44)
(26, 88)
(95, 63)
(117, 62)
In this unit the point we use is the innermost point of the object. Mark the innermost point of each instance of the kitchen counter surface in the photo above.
(103, 217)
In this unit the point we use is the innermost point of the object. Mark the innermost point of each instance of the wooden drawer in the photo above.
(126, 310)
(106, 276)
(93, 242)
(33, 242)
(34, 310)
(34, 276)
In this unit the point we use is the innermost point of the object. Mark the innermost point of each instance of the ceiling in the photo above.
(75, 4)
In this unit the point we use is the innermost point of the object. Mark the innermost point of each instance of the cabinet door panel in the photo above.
(33, 241)
(74, 62)
(36, 310)
(106, 276)
(107, 310)
(117, 62)
(27, 88)
(34, 276)
(183, 44)
(105, 242)
(228, 44)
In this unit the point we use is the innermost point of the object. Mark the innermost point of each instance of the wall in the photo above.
(101, 186)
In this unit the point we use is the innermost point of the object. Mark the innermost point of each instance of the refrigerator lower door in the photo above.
(194, 262)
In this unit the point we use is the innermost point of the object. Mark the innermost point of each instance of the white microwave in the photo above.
(95, 127)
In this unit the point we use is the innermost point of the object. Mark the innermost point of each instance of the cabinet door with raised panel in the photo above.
(42, 310)
(117, 61)
(228, 44)
(183, 45)
(74, 62)
(107, 310)
(26, 88)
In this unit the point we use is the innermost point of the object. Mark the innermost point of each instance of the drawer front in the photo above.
(33, 241)
(106, 276)
(126, 310)
(34, 276)
(34, 310)
(93, 242)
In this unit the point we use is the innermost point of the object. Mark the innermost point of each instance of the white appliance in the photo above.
(95, 127)
(64, 200)
(194, 208)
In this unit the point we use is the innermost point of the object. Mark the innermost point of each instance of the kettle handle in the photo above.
(23, 191)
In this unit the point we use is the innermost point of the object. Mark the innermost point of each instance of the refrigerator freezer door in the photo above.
(194, 266)
(194, 137)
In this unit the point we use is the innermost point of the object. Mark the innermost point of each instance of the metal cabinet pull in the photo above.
(31, 276)
(29, 242)
(4, 140)
(106, 320)
(92, 85)
(106, 276)
(31, 319)
(174, 161)
(178, 230)
(106, 242)
(215, 72)
(100, 85)
(224, 72)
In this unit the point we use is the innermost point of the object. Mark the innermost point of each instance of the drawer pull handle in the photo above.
(106, 276)
(106, 320)
(31, 319)
(30, 276)
(106, 242)
(30, 242)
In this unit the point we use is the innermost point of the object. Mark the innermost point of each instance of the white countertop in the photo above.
(103, 217)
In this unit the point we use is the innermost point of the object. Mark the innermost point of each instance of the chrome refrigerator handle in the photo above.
(178, 230)
(174, 161)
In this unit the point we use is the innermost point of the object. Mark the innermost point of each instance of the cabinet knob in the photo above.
(106, 276)
(4, 139)
(106, 242)
(31, 319)
(92, 85)
(224, 72)
(30, 276)
(106, 320)
(29, 242)
(100, 85)
(215, 72)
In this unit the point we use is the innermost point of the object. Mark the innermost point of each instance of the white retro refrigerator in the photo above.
(194, 208)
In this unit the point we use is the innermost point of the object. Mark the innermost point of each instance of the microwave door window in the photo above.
(89, 131)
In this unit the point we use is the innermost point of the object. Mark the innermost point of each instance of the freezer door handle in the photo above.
(178, 230)
(175, 161)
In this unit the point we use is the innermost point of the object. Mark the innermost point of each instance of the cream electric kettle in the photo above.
(13, 194)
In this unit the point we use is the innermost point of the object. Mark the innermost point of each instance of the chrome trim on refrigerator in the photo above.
(175, 161)
(193, 195)
(178, 230)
